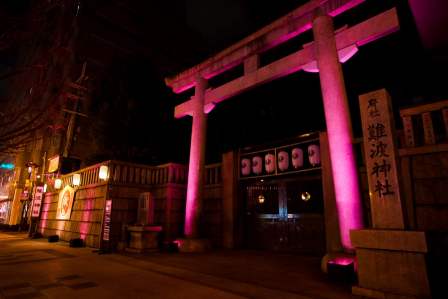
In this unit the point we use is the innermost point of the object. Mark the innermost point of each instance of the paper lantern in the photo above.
(297, 158)
(314, 154)
(257, 165)
(103, 172)
(245, 166)
(57, 183)
(269, 162)
(283, 160)
(76, 179)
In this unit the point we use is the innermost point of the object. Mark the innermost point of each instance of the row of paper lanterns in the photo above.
(255, 164)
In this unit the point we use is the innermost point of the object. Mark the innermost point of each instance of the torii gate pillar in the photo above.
(196, 166)
(337, 117)
(197, 161)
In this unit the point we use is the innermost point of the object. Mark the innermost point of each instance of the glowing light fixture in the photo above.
(57, 183)
(76, 179)
(305, 196)
(261, 198)
(45, 188)
(8, 166)
(103, 172)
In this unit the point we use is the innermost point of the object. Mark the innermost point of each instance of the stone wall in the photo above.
(424, 178)
(212, 217)
(430, 180)
(85, 220)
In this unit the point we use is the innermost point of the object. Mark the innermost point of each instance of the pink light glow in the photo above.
(347, 53)
(337, 116)
(345, 174)
(345, 7)
(343, 261)
(85, 218)
(178, 243)
(44, 214)
(193, 185)
(197, 161)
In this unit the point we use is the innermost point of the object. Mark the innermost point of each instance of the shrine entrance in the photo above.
(324, 55)
(282, 193)
(282, 216)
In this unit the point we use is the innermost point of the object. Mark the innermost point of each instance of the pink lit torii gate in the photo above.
(324, 56)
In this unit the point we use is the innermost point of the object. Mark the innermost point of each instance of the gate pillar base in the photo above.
(193, 245)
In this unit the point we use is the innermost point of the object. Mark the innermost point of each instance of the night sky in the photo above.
(179, 34)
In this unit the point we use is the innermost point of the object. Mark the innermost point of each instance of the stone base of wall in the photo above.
(391, 264)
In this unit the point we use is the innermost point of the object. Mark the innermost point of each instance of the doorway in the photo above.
(284, 214)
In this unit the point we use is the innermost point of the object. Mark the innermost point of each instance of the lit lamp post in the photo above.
(27, 208)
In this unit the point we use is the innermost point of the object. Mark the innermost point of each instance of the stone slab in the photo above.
(377, 294)
(393, 272)
(397, 240)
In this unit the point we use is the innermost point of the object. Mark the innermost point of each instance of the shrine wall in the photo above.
(86, 216)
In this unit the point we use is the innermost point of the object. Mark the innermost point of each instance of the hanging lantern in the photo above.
(257, 165)
(261, 198)
(314, 154)
(297, 158)
(269, 161)
(245, 166)
(76, 179)
(305, 196)
(103, 172)
(57, 183)
(283, 160)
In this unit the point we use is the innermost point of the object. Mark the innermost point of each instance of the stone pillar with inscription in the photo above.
(391, 260)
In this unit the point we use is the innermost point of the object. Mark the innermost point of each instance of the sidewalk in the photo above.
(38, 269)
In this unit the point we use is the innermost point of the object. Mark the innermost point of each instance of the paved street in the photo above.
(38, 269)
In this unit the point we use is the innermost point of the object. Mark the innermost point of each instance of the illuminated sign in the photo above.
(107, 214)
(25, 194)
(8, 166)
(37, 201)
(65, 203)
(53, 164)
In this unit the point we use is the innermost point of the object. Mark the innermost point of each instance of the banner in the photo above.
(37, 201)
(65, 203)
